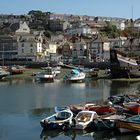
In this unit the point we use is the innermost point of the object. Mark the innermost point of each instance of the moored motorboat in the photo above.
(91, 72)
(46, 75)
(59, 120)
(55, 70)
(76, 75)
(16, 69)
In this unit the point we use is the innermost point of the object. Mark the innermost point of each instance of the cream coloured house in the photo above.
(51, 52)
(78, 51)
(99, 49)
(31, 47)
(106, 51)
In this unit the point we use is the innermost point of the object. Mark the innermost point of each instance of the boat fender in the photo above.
(45, 121)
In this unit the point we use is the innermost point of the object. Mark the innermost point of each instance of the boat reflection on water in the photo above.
(16, 81)
(71, 134)
(125, 87)
(77, 134)
(3, 82)
(78, 85)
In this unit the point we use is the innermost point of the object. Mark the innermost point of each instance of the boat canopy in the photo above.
(75, 71)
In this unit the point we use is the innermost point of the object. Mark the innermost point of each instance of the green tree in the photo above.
(110, 30)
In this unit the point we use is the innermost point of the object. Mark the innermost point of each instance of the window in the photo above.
(22, 45)
(22, 50)
(31, 50)
(31, 45)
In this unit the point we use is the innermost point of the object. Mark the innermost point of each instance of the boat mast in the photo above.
(132, 32)
(3, 54)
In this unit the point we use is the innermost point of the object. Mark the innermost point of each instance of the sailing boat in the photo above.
(125, 60)
(122, 65)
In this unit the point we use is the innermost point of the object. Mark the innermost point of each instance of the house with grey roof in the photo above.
(32, 47)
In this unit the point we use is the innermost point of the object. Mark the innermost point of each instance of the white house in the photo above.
(23, 28)
(106, 51)
(122, 25)
(52, 51)
(83, 30)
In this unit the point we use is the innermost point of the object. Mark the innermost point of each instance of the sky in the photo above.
(110, 8)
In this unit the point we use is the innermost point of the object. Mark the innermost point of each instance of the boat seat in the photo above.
(62, 116)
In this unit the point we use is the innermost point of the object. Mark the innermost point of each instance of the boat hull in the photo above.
(16, 72)
(80, 77)
(122, 66)
(101, 110)
(127, 126)
(133, 108)
(54, 126)
(43, 79)
(104, 125)
(60, 120)
(84, 120)
(2, 76)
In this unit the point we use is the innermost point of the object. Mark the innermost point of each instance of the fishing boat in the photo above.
(46, 75)
(60, 120)
(84, 120)
(75, 75)
(129, 124)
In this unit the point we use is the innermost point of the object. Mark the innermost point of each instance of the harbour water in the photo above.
(24, 102)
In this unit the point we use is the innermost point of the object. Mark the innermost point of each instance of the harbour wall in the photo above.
(31, 64)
